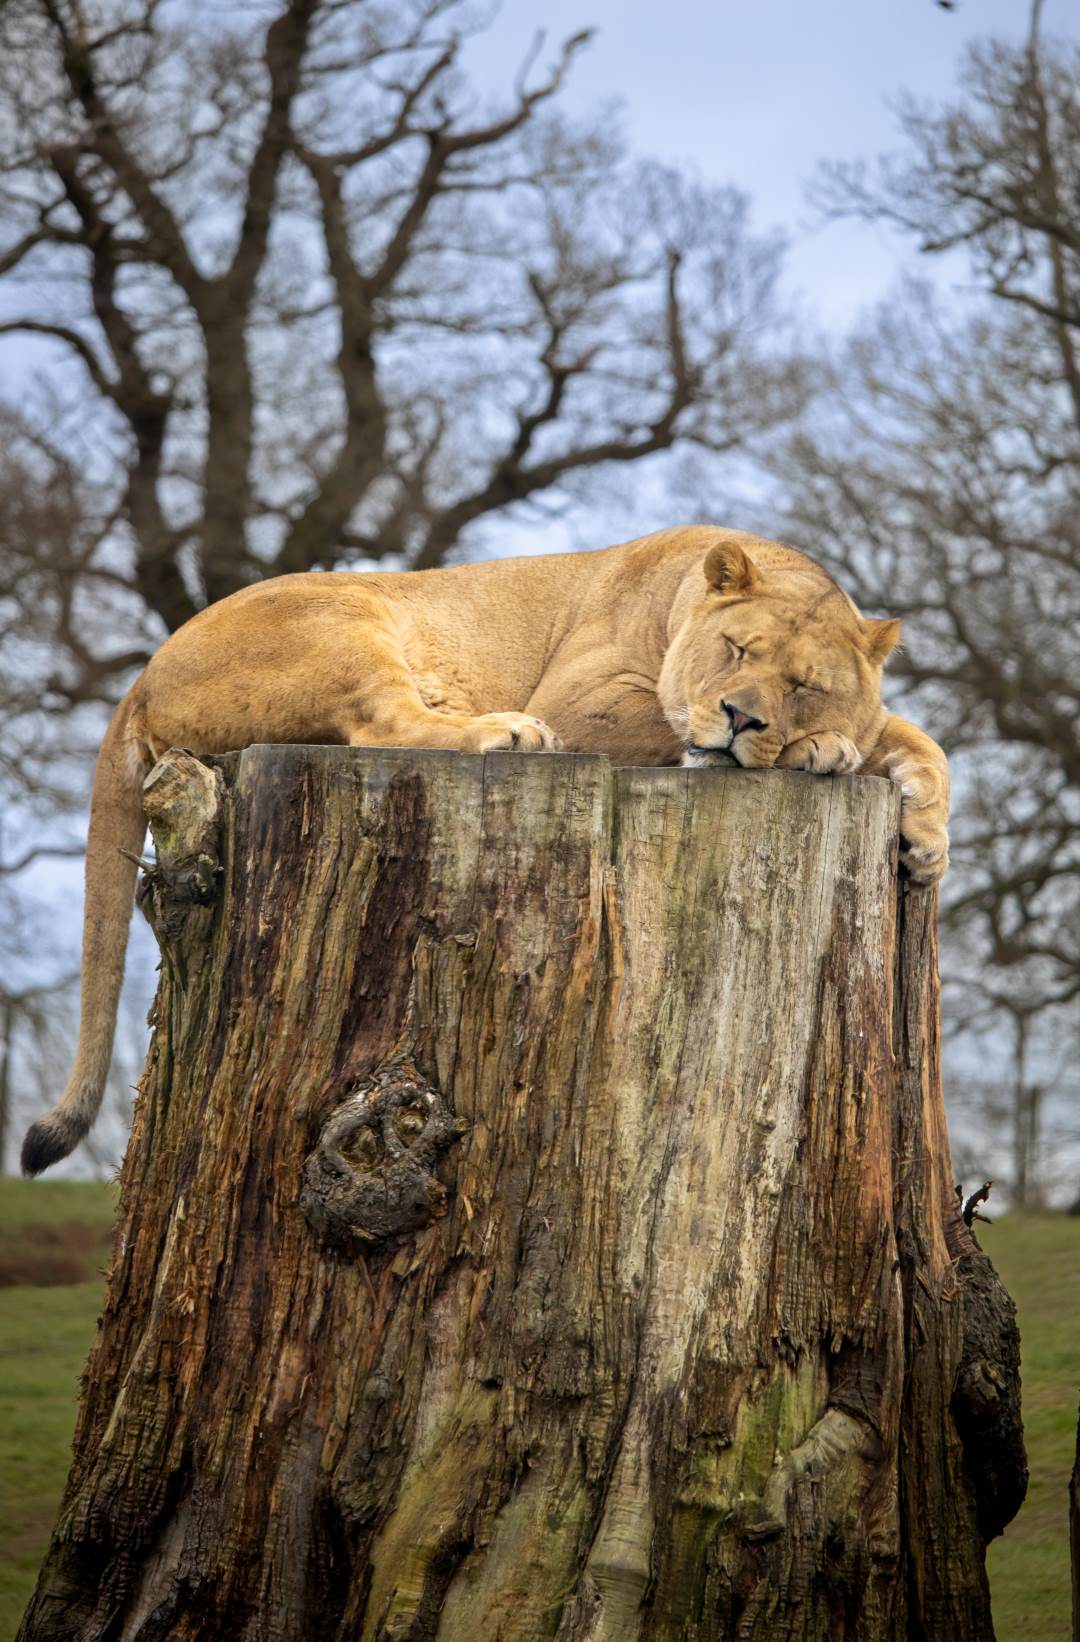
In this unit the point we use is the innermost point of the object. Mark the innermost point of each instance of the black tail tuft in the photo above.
(46, 1143)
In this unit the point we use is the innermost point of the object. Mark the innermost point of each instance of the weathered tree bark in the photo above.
(537, 1223)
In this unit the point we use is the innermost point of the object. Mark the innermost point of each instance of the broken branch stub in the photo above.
(182, 798)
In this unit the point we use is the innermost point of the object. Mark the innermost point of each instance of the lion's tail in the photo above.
(116, 824)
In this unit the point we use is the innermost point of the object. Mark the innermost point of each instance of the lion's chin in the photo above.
(706, 758)
(741, 754)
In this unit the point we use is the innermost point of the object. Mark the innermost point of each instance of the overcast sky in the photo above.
(755, 92)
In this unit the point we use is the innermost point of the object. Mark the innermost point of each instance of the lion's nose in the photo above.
(741, 720)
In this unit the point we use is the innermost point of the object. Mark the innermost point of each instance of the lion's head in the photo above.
(765, 658)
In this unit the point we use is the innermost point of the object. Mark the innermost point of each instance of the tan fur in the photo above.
(633, 652)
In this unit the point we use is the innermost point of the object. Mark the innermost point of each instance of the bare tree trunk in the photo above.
(1022, 1159)
(537, 1223)
(7, 1035)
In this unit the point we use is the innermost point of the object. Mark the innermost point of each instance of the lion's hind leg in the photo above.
(386, 709)
(486, 733)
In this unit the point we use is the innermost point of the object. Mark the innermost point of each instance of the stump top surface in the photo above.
(262, 757)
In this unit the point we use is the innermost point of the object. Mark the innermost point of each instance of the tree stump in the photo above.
(537, 1223)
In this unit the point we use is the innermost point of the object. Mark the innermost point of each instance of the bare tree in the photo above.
(920, 487)
(312, 303)
(942, 479)
(1013, 1105)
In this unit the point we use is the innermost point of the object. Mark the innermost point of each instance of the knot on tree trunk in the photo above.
(372, 1175)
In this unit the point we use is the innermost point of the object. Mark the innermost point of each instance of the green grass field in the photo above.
(52, 1231)
(1038, 1259)
(54, 1244)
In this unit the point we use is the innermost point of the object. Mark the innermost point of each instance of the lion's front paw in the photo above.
(924, 846)
(908, 756)
(513, 732)
(924, 814)
(824, 754)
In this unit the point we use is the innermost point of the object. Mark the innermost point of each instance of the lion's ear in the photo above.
(728, 570)
(881, 637)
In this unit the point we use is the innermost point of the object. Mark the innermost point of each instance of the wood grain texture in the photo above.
(672, 1348)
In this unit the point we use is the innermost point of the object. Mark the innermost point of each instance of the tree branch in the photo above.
(286, 43)
(103, 138)
(71, 339)
(314, 533)
(443, 144)
(145, 410)
(56, 852)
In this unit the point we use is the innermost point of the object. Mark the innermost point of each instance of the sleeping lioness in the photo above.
(692, 646)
